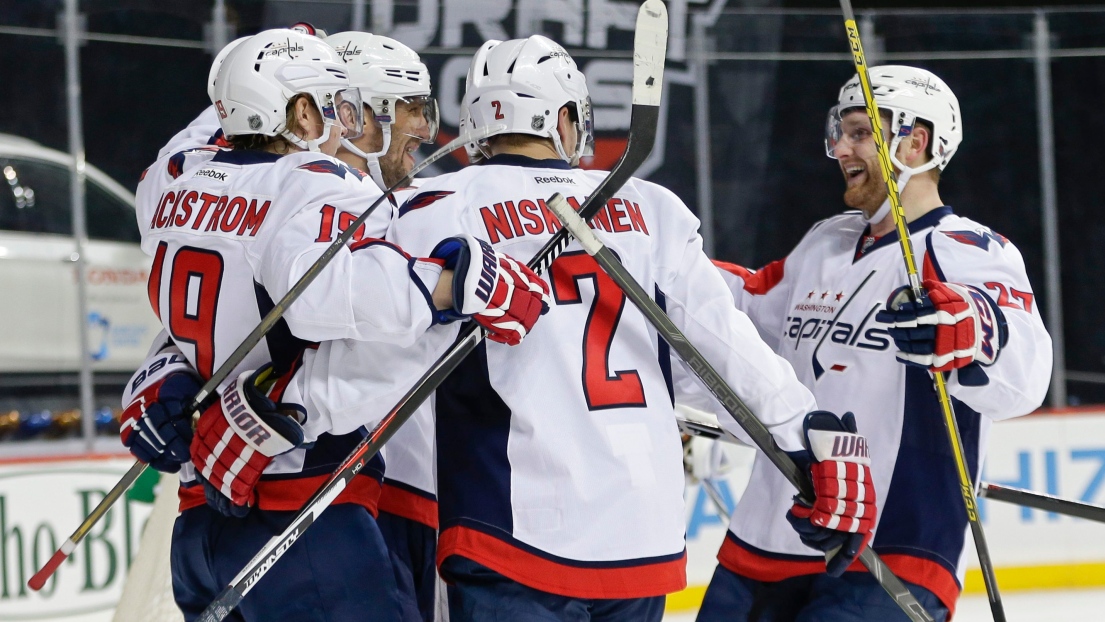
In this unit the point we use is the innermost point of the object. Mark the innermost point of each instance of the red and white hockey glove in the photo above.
(843, 513)
(951, 327)
(156, 425)
(503, 296)
(237, 437)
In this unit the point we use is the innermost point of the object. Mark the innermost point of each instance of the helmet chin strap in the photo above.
(308, 144)
(372, 160)
(884, 209)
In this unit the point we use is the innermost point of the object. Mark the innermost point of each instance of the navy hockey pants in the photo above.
(413, 549)
(479, 594)
(855, 597)
(338, 570)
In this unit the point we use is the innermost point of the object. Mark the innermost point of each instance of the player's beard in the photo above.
(867, 196)
(393, 164)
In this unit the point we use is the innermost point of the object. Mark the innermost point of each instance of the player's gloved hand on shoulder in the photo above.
(842, 514)
(953, 326)
(156, 425)
(237, 437)
(502, 295)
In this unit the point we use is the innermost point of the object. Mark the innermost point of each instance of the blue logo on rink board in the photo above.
(704, 513)
(1055, 464)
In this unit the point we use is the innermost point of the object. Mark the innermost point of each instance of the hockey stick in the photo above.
(1040, 501)
(966, 486)
(997, 492)
(729, 399)
(649, 51)
(200, 402)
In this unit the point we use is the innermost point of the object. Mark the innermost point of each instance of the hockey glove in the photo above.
(843, 512)
(156, 424)
(237, 437)
(951, 327)
(500, 294)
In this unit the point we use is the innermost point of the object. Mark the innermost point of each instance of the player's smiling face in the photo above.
(408, 132)
(859, 162)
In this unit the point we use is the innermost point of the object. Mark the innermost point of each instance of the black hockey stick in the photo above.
(951, 426)
(724, 393)
(997, 492)
(1040, 501)
(650, 48)
(206, 394)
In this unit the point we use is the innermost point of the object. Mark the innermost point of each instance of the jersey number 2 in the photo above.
(194, 283)
(622, 389)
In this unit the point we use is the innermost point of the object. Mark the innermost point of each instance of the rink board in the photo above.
(43, 500)
(1060, 454)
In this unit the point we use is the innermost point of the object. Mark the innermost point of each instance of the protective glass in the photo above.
(344, 109)
(430, 113)
(851, 129)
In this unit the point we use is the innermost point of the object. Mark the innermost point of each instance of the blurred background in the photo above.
(748, 86)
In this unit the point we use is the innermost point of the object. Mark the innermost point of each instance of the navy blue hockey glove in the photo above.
(503, 296)
(238, 436)
(842, 514)
(156, 425)
(952, 327)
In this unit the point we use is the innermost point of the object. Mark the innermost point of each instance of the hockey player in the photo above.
(400, 114)
(229, 235)
(559, 462)
(825, 309)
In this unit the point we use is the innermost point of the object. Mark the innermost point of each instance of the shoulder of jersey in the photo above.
(320, 164)
(962, 233)
(433, 189)
(849, 224)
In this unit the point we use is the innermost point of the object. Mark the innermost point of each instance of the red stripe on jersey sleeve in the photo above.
(640, 581)
(759, 282)
(411, 506)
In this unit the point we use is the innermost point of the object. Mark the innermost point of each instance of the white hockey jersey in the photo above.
(231, 231)
(559, 461)
(817, 309)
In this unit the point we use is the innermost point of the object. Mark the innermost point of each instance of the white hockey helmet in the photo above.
(475, 156)
(386, 72)
(259, 76)
(523, 83)
(908, 94)
(218, 62)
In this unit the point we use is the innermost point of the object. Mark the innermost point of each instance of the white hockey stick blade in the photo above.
(649, 50)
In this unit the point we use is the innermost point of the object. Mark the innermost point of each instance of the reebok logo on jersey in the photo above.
(506, 220)
(554, 179)
(213, 174)
(203, 211)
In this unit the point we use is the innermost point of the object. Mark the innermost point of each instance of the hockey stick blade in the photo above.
(725, 394)
(650, 45)
(951, 426)
(200, 401)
